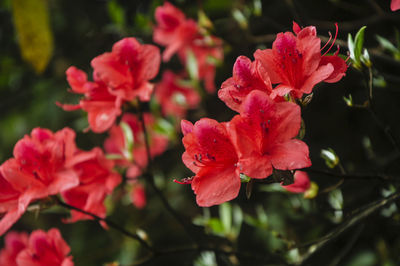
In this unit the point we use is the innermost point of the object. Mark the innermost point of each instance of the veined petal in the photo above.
(214, 186)
(289, 155)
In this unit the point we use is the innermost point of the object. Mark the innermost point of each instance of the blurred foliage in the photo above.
(272, 221)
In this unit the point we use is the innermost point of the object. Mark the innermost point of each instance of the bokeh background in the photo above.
(272, 221)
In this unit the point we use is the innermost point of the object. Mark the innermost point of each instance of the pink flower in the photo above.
(135, 158)
(264, 135)
(14, 244)
(37, 170)
(301, 183)
(211, 155)
(126, 70)
(138, 195)
(45, 249)
(10, 209)
(101, 106)
(296, 63)
(174, 98)
(96, 181)
(173, 29)
(395, 5)
(207, 50)
(183, 36)
(247, 76)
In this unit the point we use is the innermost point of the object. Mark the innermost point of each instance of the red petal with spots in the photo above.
(301, 183)
(212, 156)
(247, 76)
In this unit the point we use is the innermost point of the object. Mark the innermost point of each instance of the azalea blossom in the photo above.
(395, 5)
(173, 29)
(247, 76)
(134, 158)
(183, 36)
(127, 69)
(38, 169)
(44, 249)
(138, 195)
(102, 106)
(295, 62)
(173, 97)
(14, 243)
(208, 51)
(96, 181)
(211, 155)
(264, 135)
(301, 183)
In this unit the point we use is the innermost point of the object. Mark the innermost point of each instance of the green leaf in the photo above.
(349, 100)
(116, 13)
(386, 44)
(257, 8)
(35, 38)
(225, 214)
(240, 18)
(129, 140)
(350, 44)
(330, 157)
(192, 66)
(359, 43)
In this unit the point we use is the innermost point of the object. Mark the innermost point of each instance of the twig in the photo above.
(356, 218)
(355, 176)
(109, 223)
(348, 246)
(270, 258)
(153, 185)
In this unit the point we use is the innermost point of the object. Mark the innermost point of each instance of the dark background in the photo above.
(85, 29)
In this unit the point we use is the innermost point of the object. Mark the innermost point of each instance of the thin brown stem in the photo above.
(150, 179)
(360, 215)
(109, 223)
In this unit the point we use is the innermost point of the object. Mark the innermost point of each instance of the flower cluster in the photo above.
(47, 164)
(189, 40)
(119, 76)
(39, 249)
(264, 135)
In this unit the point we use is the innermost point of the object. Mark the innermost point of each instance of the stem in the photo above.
(360, 215)
(153, 185)
(354, 176)
(109, 223)
(371, 107)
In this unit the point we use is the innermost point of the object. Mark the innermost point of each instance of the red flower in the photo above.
(97, 180)
(296, 64)
(211, 155)
(128, 68)
(173, 29)
(14, 244)
(101, 106)
(208, 51)
(174, 98)
(395, 5)
(301, 183)
(247, 76)
(138, 195)
(45, 249)
(37, 170)
(135, 158)
(10, 209)
(181, 35)
(264, 136)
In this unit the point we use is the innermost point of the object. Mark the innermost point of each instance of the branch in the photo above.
(355, 176)
(153, 185)
(109, 223)
(270, 258)
(360, 215)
